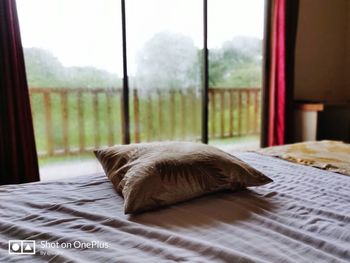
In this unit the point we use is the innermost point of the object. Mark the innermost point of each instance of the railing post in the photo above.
(160, 114)
(81, 122)
(96, 118)
(248, 111)
(110, 121)
(48, 123)
(172, 114)
(149, 118)
(222, 113)
(231, 113)
(239, 113)
(193, 111)
(64, 107)
(136, 116)
(213, 112)
(183, 113)
(256, 111)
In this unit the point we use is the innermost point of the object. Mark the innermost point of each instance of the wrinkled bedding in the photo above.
(328, 155)
(303, 216)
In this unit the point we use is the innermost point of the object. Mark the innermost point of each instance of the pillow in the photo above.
(151, 175)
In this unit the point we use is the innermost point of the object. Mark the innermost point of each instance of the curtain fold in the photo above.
(280, 39)
(18, 157)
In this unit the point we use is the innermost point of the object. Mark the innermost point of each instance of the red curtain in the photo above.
(18, 158)
(279, 72)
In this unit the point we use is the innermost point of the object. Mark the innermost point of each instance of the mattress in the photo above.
(303, 216)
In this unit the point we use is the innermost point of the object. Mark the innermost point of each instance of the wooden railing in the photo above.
(234, 112)
(70, 121)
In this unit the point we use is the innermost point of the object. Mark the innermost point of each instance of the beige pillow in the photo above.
(150, 175)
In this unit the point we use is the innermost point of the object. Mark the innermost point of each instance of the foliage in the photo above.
(45, 70)
(236, 64)
(248, 75)
(166, 61)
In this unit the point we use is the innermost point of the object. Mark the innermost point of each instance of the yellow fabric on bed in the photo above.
(327, 155)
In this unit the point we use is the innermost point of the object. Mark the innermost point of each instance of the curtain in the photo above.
(280, 38)
(18, 158)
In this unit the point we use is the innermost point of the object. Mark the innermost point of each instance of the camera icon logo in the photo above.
(21, 246)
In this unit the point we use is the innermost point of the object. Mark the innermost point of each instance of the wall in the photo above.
(347, 66)
(322, 66)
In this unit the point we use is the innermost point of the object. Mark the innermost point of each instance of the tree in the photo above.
(45, 70)
(236, 64)
(167, 61)
(247, 75)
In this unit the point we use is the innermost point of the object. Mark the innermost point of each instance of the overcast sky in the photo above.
(88, 32)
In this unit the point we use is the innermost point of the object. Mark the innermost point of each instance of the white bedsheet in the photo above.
(303, 216)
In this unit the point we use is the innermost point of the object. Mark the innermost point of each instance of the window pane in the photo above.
(164, 41)
(74, 66)
(235, 33)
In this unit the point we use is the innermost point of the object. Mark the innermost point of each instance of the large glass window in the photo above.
(73, 56)
(74, 62)
(235, 33)
(164, 42)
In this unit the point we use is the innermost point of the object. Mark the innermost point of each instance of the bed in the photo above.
(303, 216)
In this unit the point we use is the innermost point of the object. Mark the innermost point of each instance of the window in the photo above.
(235, 33)
(165, 42)
(73, 56)
(74, 61)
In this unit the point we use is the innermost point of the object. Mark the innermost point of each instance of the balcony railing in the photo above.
(73, 121)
